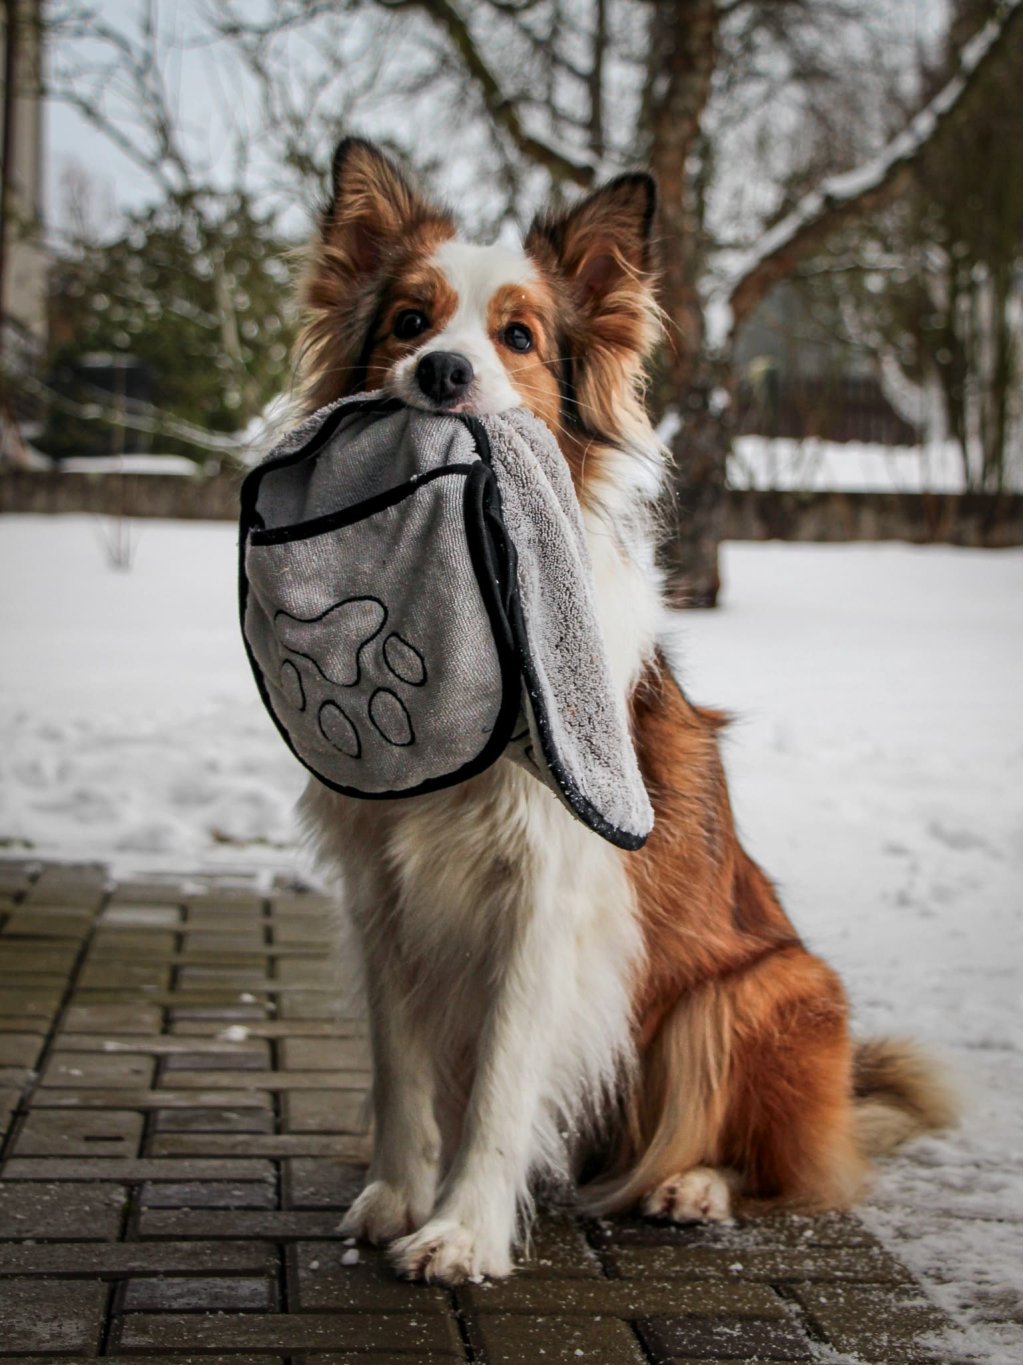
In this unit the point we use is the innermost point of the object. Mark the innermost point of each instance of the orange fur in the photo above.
(745, 1060)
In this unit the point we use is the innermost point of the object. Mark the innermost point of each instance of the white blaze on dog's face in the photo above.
(471, 329)
(458, 367)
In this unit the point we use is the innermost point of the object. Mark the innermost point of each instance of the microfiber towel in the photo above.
(417, 600)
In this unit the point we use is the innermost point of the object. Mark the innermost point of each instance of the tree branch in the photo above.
(865, 189)
(501, 109)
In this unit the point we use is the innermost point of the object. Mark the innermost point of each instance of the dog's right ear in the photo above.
(373, 206)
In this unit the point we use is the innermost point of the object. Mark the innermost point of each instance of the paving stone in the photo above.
(327, 1082)
(325, 1111)
(316, 1183)
(136, 916)
(213, 1121)
(320, 972)
(113, 1020)
(14, 1078)
(241, 978)
(272, 1028)
(318, 1278)
(246, 1224)
(52, 1316)
(770, 1231)
(80, 1070)
(73, 1212)
(216, 1014)
(20, 1049)
(184, 1293)
(695, 1338)
(225, 920)
(35, 921)
(309, 1005)
(161, 1358)
(624, 1298)
(344, 1146)
(140, 892)
(294, 1332)
(370, 1358)
(25, 957)
(511, 1339)
(114, 1260)
(209, 1194)
(160, 1045)
(250, 934)
(37, 1002)
(325, 1054)
(106, 1132)
(204, 1062)
(868, 1265)
(126, 945)
(132, 1170)
(124, 976)
(9, 1101)
(875, 1325)
(150, 1099)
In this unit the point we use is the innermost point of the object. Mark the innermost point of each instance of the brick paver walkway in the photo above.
(181, 1115)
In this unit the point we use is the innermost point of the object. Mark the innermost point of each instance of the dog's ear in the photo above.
(373, 206)
(603, 244)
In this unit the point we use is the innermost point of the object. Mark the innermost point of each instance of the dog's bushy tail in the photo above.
(900, 1094)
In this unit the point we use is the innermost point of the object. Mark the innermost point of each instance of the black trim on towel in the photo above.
(492, 558)
(494, 561)
(513, 611)
(359, 511)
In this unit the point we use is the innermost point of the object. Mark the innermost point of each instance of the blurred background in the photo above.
(841, 228)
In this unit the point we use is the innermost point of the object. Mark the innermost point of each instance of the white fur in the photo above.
(498, 934)
(475, 273)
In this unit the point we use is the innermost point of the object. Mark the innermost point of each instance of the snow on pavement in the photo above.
(875, 765)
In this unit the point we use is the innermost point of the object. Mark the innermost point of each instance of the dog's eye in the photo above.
(517, 337)
(410, 323)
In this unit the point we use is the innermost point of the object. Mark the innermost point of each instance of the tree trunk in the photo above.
(683, 50)
(700, 450)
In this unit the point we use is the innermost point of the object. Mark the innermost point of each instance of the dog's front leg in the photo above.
(473, 1226)
(402, 1180)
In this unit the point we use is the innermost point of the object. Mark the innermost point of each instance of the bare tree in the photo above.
(503, 103)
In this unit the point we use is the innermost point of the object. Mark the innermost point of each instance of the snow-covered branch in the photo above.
(866, 188)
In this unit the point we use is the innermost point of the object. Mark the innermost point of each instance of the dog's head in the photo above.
(562, 326)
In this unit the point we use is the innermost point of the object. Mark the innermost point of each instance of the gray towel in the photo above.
(417, 600)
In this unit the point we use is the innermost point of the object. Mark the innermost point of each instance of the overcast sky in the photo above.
(214, 99)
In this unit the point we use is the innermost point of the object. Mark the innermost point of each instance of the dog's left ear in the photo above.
(601, 244)
(373, 207)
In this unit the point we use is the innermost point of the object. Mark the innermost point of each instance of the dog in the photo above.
(539, 1000)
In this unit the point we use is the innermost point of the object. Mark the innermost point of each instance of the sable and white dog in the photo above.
(535, 994)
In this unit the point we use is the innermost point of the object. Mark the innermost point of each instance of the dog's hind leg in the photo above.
(746, 1094)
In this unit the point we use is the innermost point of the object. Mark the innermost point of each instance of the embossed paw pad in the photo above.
(334, 648)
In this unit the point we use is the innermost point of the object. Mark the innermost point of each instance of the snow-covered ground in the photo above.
(852, 466)
(875, 766)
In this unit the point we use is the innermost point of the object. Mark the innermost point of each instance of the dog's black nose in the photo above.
(444, 376)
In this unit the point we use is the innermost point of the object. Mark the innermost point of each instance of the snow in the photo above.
(130, 464)
(130, 728)
(875, 766)
(853, 466)
(850, 185)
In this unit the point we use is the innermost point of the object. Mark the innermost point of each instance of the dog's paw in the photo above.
(700, 1195)
(380, 1214)
(447, 1252)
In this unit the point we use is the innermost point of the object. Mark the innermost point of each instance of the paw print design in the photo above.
(333, 648)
